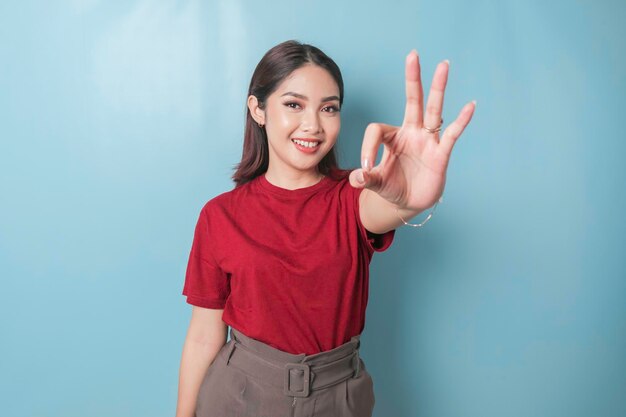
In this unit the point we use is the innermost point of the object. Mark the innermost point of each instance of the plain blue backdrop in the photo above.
(120, 119)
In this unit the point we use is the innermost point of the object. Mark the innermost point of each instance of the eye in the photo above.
(334, 108)
(290, 103)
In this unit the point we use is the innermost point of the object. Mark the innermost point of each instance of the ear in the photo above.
(256, 112)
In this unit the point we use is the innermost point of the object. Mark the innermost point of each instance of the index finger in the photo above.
(413, 113)
(375, 134)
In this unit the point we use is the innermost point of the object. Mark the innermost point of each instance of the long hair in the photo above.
(276, 65)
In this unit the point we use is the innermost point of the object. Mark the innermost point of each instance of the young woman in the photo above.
(283, 258)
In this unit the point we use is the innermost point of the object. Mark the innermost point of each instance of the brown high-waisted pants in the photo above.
(249, 378)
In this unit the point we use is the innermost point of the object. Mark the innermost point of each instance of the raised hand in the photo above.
(412, 170)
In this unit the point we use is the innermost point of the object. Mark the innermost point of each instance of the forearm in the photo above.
(196, 359)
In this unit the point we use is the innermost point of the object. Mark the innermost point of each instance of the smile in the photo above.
(306, 143)
(306, 146)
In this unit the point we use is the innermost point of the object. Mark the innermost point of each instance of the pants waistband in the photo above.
(281, 357)
(296, 374)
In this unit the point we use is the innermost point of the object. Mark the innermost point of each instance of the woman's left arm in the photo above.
(412, 172)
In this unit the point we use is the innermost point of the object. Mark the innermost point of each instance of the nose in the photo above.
(310, 122)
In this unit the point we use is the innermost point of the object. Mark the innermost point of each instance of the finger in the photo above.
(434, 106)
(414, 93)
(359, 178)
(375, 134)
(453, 132)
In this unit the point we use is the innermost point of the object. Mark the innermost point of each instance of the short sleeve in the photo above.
(374, 241)
(206, 285)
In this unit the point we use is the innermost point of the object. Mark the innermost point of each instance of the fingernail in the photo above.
(474, 101)
(447, 61)
(365, 164)
(414, 50)
(359, 177)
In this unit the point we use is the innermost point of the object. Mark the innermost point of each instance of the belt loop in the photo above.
(357, 366)
(229, 353)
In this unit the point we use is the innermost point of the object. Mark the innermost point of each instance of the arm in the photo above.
(205, 337)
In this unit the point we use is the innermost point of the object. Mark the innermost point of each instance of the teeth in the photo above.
(306, 143)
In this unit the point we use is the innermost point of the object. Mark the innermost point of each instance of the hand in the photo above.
(412, 171)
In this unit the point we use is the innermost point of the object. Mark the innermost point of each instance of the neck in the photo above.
(293, 180)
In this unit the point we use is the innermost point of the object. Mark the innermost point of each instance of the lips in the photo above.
(306, 145)
(307, 139)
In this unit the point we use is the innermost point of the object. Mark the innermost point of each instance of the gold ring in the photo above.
(436, 129)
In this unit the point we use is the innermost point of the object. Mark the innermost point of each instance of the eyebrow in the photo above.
(291, 93)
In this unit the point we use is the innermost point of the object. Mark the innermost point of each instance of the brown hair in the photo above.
(276, 65)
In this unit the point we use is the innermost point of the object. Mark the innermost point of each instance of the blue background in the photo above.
(119, 120)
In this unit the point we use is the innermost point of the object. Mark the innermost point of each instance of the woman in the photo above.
(283, 257)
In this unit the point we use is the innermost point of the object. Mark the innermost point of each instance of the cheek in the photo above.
(286, 120)
(333, 126)
(280, 121)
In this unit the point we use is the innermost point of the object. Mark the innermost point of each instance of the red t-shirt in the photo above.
(290, 268)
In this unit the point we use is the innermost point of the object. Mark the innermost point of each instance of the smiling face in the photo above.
(302, 122)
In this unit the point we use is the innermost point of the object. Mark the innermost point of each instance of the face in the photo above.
(302, 120)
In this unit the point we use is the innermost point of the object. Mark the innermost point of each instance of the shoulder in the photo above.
(227, 201)
(216, 205)
(343, 186)
(341, 179)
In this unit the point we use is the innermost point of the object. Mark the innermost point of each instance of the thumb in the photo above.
(359, 178)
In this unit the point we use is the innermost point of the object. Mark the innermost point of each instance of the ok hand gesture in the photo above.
(412, 171)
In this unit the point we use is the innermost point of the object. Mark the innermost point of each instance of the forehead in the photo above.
(310, 80)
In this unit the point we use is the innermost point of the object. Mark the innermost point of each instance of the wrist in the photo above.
(406, 214)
